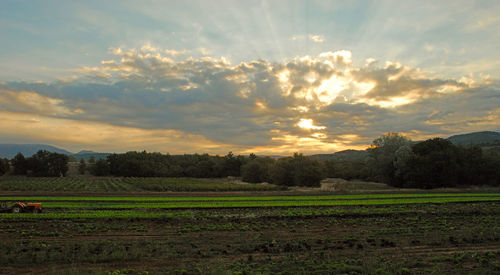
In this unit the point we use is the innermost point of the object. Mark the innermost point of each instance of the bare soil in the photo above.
(453, 238)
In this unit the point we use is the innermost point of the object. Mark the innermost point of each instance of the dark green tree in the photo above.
(82, 167)
(382, 155)
(4, 166)
(298, 170)
(20, 164)
(436, 163)
(101, 168)
(232, 165)
(48, 164)
(256, 170)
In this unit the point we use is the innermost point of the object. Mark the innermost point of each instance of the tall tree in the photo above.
(383, 153)
(298, 170)
(4, 166)
(48, 164)
(20, 164)
(256, 169)
(82, 167)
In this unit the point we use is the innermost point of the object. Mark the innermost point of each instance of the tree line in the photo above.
(392, 159)
(433, 163)
(295, 170)
(41, 164)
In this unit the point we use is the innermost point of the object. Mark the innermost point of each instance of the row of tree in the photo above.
(41, 164)
(400, 162)
(392, 158)
(295, 170)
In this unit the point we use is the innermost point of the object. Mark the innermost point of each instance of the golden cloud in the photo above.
(102, 136)
(34, 103)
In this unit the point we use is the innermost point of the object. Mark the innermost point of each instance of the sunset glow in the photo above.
(234, 76)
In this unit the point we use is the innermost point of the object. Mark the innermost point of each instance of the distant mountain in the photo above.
(342, 155)
(10, 150)
(475, 138)
(488, 140)
(84, 152)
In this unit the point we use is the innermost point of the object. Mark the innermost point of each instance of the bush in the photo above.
(257, 170)
(47, 164)
(297, 171)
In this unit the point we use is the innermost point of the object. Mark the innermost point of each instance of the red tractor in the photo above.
(20, 207)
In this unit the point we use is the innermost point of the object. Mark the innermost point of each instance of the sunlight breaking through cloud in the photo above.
(308, 103)
(308, 124)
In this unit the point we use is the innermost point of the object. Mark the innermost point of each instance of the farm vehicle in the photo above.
(19, 207)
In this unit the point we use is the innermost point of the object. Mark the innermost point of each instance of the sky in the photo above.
(265, 77)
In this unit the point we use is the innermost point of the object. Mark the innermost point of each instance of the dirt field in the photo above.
(445, 238)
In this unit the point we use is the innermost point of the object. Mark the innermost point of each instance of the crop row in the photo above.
(266, 203)
(246, 198)
(451, 209)
(255, 212)
(113, 184)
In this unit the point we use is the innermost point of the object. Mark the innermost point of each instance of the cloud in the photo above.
(176, 52)
(34, 103)
(483, 22)
(311, 104)
(396, 84)
(317, 38)
(75, 134)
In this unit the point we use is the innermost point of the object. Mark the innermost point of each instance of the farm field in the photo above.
(267, 232)
(124, 185)
(63, 204)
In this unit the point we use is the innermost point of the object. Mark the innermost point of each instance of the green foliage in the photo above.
(298, 170)
(20, 164)
(433, 163)
(89, 207)
(346, 169)
(277, 240)
(82, 167)
(438, 163)
(114, 184)
(153, 207)
(144, 164)
(382, 155)
(47, 164)
(4, 166)
(256, 169)
(100, 168)
(233, 164)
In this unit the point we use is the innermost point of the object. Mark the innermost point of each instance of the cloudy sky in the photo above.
(269, 77)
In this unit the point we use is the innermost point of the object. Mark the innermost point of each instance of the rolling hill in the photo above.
(10, 150)
(475, 138)
(489, 140)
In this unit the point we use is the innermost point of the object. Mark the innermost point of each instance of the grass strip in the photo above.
(243, 198)
(217, 204)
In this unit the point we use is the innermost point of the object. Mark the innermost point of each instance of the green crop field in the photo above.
(142, 226)
(248, 198)
(116, 202)
(115, 184)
